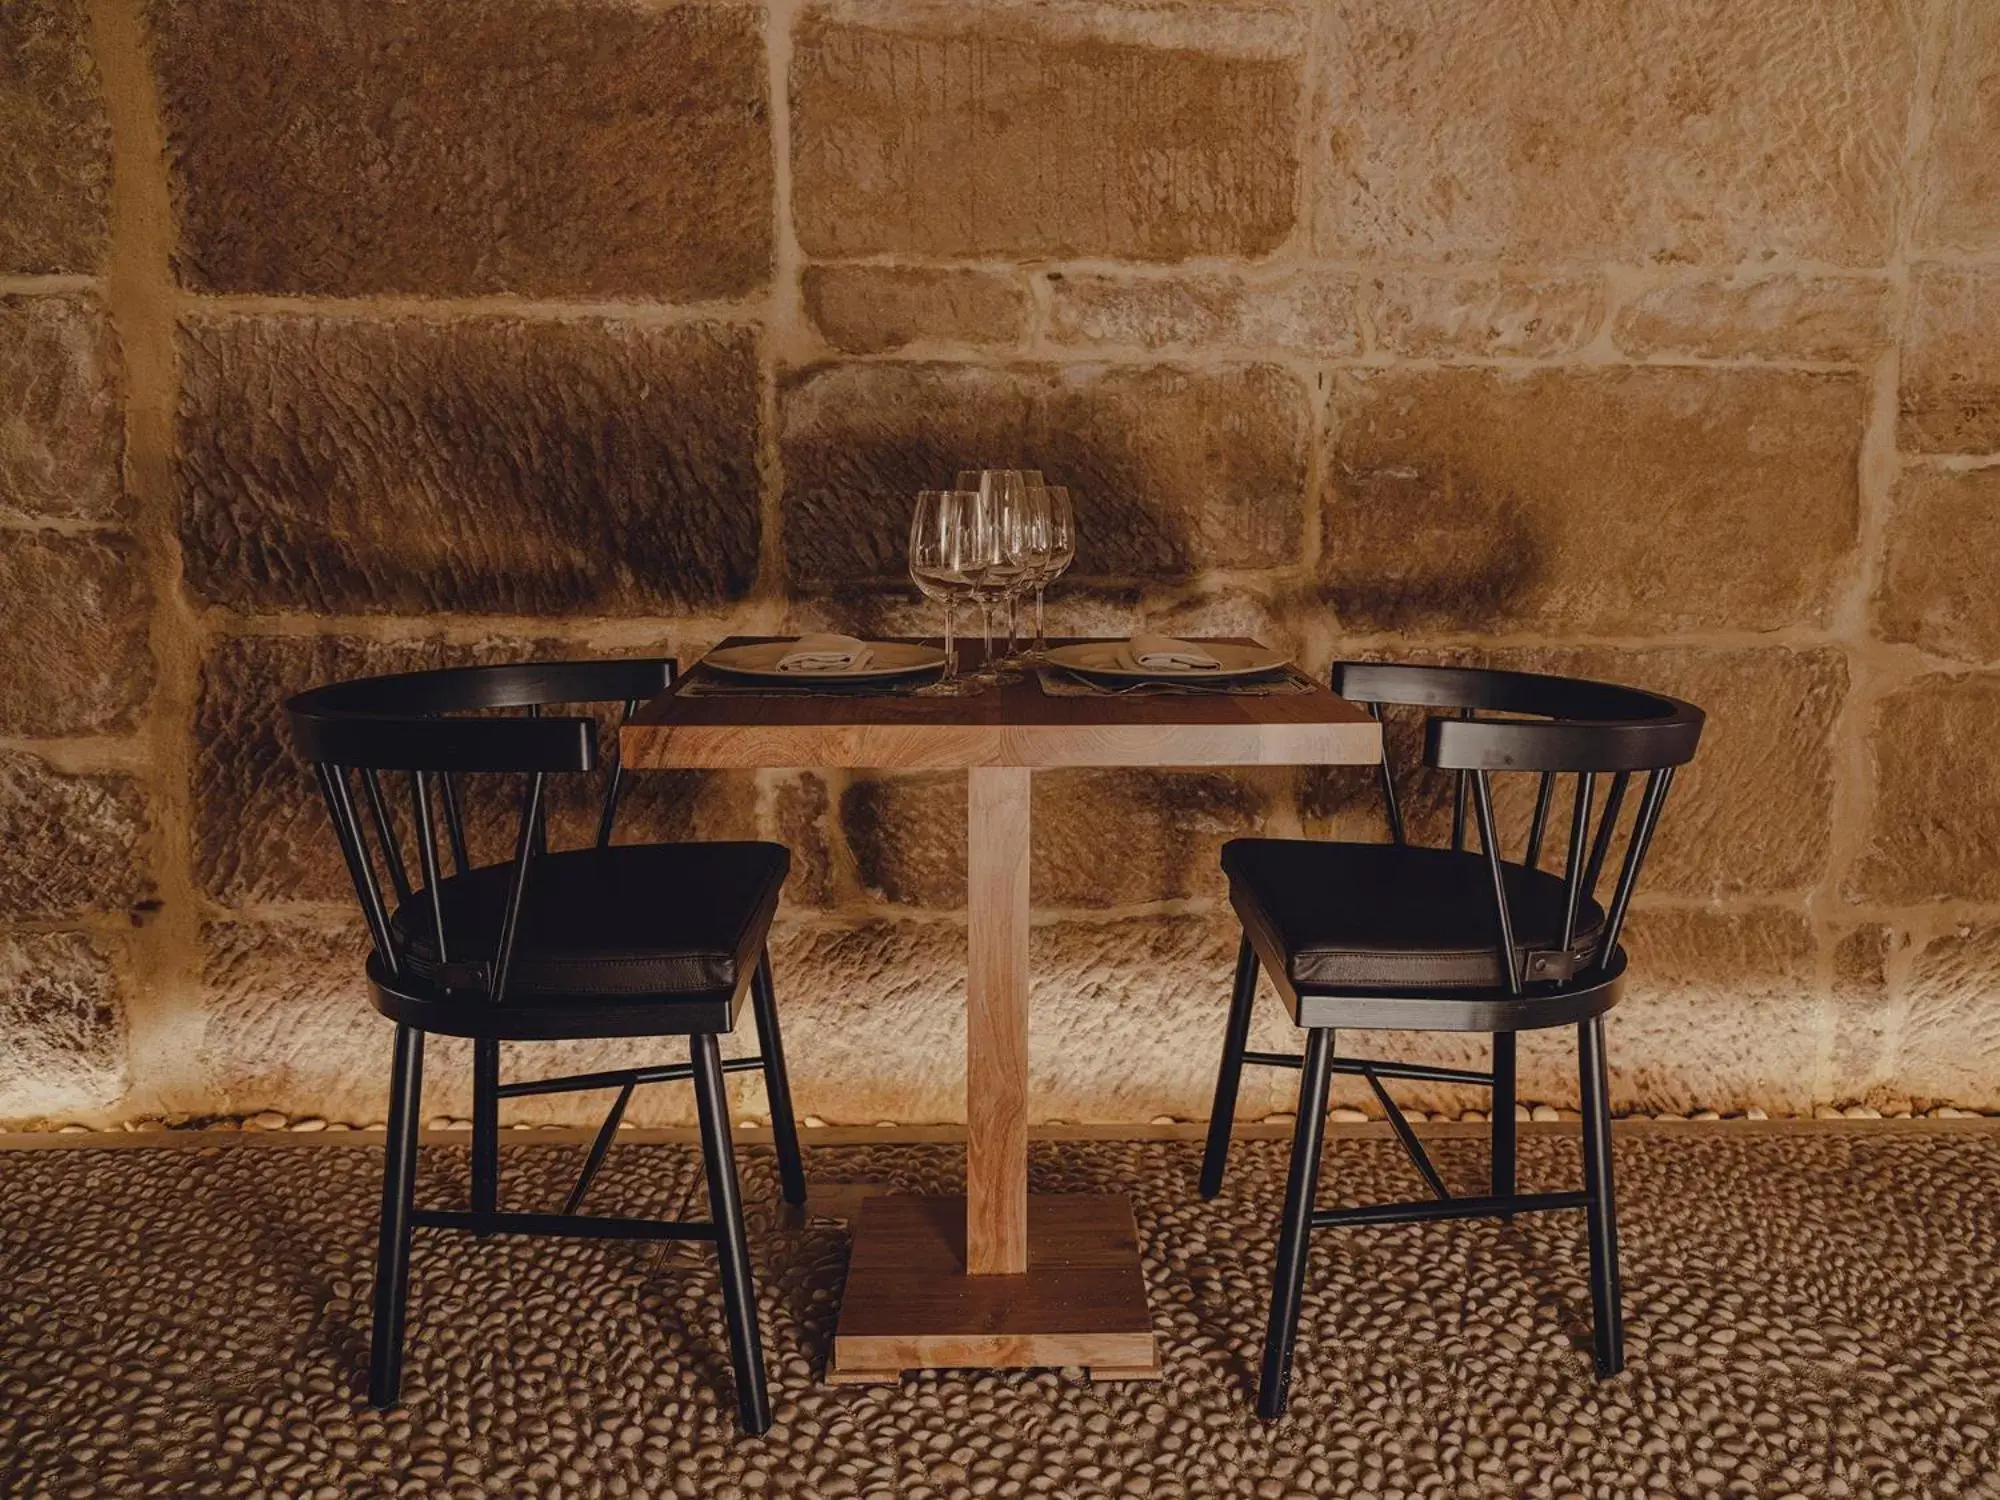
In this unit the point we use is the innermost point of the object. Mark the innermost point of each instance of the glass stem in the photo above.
(1041, 628)
(950, 641)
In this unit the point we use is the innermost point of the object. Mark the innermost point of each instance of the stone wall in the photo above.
(1648, 341)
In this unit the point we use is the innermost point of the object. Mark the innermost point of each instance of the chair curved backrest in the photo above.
(404, 722)
(1555, 726)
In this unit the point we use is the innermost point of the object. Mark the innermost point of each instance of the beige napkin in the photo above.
(1162, 653)
(826, 653)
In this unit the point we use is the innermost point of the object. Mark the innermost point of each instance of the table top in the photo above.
(1014, 724)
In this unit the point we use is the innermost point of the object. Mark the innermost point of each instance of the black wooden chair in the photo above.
(614, 940)
(1397, 937)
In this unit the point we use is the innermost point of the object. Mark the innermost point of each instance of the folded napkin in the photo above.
(1162, 653)
(826, 653)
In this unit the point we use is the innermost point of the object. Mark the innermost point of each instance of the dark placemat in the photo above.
(703, 682)
(1059, 682)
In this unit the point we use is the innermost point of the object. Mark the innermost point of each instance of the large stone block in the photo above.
(1950, 394)
(1940, 586)
(61, 433)
(872, 309)
(1486, 314)
(1116, 837)
(73, 611)
(1613, 501)
(1934, 821)
(1949, 1052)
(1722, 1011)
(62, 1027)
(802, 813)
(1549, 131)
(1307, 312)
(1036, 135)
(654, 807)
(490, 465)
(1280, 615)
(1959, 208)
(907, 834)
(55, 177)
(1753, 813)
(1127, 1016)
(290, 1026)
(553, 148)
(1172, 470)
(887, 608)
(856, 995)
(1863, 1067)
(1791, 316)
(907, 837)
(261, 832)
(75, 843)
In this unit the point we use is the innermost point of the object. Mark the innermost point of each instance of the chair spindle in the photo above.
(1607, 829)
(510, 917)
(360, 869)
(1579, 832)
(454, 822)
(1489, 840)
(385, 834)
(1539, 827)
(608, 816)
(1651, 804)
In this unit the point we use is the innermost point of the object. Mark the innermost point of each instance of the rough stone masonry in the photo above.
(1648, 341)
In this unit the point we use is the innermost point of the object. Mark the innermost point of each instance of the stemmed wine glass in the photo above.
(1008, 500)
(1055, 549)
(945, 553)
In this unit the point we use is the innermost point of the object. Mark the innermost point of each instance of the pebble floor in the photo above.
(1810, 1313)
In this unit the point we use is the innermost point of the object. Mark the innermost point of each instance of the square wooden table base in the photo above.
(909, 1304)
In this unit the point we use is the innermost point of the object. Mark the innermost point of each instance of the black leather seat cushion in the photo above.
(637, 920)
(1361, 917)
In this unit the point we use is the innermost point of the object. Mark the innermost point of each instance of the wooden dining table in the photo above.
(999, 1278)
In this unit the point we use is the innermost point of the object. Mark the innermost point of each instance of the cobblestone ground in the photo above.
(1811, 1313)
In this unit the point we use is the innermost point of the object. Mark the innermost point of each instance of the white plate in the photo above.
(892, 659)
(1107, 659)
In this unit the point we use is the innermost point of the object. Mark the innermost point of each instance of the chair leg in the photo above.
(777, 1083)
(1504, 1131)
(732, 1246)
(1235, 1037)
(399, 1182)
(1295, 1230)
(1607, 1316)
(485, 1128)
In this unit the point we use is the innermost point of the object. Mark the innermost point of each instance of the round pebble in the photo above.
(200, 1323)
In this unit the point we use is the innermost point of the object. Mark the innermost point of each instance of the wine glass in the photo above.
(1003, 572)
(1024, 543)
(943, 535)
(1057, 550)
